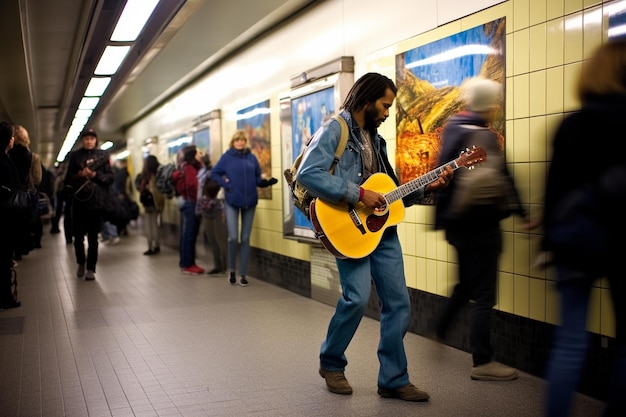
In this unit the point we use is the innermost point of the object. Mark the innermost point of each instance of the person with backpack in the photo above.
(153, 203)
(473, 227)
(366, 106)
(186, 183)
(239, 173)
(213, 219)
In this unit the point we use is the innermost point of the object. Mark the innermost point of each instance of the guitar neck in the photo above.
(414, 185)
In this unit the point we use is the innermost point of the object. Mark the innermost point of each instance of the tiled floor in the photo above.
(144, 340)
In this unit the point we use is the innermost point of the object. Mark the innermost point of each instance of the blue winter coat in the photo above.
(239, 173)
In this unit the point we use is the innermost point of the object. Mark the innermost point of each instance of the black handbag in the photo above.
(16, 199)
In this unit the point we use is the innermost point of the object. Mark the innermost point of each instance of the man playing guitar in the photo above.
(365, 108)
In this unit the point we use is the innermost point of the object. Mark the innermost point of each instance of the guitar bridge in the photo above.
(356, 219)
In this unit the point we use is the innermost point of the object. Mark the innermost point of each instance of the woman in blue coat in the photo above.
(239, 174)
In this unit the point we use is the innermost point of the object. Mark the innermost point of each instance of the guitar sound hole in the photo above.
(374, 222)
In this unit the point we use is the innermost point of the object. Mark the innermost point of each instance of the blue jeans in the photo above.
(109, 230)
(188, 233)
(232, 224)
(571, 341)
(385, 266)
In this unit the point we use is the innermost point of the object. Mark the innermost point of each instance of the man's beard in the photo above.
(370, 118)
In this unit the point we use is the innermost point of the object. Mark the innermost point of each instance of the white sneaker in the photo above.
(493, 371)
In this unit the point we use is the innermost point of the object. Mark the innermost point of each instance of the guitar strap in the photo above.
(343, 141)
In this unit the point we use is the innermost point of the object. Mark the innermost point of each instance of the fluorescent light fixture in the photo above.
(106, 145)
(83, 113)
(472, 49)
(88, 103)
(97, 85)
(134, 17)
(111, 59)
(80, 120)
(122, 155)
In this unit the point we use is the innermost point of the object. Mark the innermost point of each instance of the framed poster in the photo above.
(616, 13)
(304, 112)
(255, 120)
(428, 78)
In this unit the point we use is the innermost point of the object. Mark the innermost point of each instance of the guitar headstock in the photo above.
(471, 157)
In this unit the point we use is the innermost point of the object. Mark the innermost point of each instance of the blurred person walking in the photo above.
(472, 227)
(210, 207)
(584, 225)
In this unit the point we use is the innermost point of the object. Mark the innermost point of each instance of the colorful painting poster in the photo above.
(616, 12)
(428, 79)
(255, 120)
(308, 113)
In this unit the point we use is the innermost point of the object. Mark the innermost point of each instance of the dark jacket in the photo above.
(587, 154)
(9, 180)
(100, 198)
(239, 173)
(456, 137)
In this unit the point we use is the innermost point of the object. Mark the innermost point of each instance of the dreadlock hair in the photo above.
(367, 89)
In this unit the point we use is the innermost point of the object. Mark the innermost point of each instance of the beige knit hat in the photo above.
(481, 94)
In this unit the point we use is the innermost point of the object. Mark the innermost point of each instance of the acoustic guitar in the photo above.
(354, 231)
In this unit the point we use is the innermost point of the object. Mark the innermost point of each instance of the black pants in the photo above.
(86, 222)
(478, 251)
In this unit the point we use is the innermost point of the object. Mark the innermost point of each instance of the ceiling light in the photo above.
(89, 103)
(106, 145)
(97, 85)
(83, 113)
(134, 17)
(111, 59)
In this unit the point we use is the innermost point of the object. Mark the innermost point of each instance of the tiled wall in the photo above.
(546, 43)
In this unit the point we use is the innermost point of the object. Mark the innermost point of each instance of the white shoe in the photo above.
(493, 371)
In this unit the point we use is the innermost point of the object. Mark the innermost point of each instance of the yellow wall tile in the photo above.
(442, 249)
(554, 90)
(521, 52)
(537, 90)
(442, 278)
(431, 276)
(538, 11)
(420, 274)
(553, 304)
(537, 181)
(573, 38)
(592, 30)
(589, 3)
(537, 47)
(521, 88)
(554, 42)
(521, 296)
(505, 293)
(431, 245)
(408, 242)
(572, 6)
(420, 240)
(521, 255)
(571, 74)
(521, 132)
(506, 259)
(538, 139)
(521, 14)
(607, 314)
(554, 8)
(537, 299)
(593, 313)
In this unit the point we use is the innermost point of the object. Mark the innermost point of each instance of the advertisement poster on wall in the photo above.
(428, 79)
(255, 120)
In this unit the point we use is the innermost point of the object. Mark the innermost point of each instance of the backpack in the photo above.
(165, 179)
(301, 197)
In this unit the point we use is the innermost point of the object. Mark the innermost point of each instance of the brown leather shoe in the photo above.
(336, 382)
(409, 392)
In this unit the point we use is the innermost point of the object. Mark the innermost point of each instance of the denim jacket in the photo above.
(344, 185)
